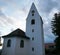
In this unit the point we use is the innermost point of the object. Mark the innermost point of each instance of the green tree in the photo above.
(55, 24)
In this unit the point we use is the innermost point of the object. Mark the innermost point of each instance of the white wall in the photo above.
(9, 50)
(38, 42)
(22, 51)
(15, 47)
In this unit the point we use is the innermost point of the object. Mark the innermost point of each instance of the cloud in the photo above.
(5, 19)
(6, 23)
(16, 11)
(20, 19)
(46, 5)
(47, 8)
(49, 37)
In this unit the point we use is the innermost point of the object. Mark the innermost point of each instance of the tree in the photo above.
(55, 24)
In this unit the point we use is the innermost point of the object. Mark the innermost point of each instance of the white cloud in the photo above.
(17, 11)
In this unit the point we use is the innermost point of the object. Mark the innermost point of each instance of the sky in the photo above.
(13, 14)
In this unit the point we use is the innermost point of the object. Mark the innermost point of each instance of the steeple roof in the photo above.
(33, 7)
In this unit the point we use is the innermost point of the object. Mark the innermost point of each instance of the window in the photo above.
(9, 43)
(32, 30)
(33, 12)
(21, 43)
(32, 49)
(32, 21)
(32, 38)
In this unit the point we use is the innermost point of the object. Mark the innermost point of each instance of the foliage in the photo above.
(55, 24)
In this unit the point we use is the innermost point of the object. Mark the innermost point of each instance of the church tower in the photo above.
(34, 30)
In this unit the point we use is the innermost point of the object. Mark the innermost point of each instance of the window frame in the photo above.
(22, 44)
(32, 38)
(32, 30)
(33, 49)
(9, 43)
(32, 21)
(32, 12)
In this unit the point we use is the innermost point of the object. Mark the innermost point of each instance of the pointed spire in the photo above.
(33, 9)
(33, 6)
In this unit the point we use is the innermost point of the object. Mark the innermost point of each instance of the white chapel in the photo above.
(30, 42)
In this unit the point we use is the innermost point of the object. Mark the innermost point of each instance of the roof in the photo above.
(33, 7)
(17, 33)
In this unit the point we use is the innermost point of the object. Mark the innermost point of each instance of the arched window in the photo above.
(21, 43)
(32, 21)
(32, 30)
(32, 38)
(32, 48)
(9, 43)
(33, 12)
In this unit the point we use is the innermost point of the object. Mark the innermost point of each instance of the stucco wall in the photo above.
(15, 47)
(9, 50)
(38, 42)
(25, 49)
